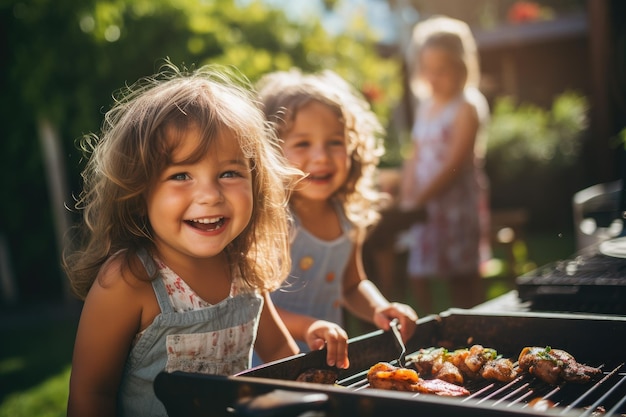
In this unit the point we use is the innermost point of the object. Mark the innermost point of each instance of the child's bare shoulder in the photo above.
(121, 278)
(124, 294)
(467, 111)
(473, 98)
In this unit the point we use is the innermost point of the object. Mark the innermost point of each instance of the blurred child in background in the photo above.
(444, 173)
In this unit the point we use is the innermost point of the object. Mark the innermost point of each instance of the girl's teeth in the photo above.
(207, 221)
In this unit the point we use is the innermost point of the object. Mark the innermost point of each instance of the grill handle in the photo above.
(281, 403)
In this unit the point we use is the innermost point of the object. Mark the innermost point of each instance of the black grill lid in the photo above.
(590, 281)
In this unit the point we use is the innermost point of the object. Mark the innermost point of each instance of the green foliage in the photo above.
(534, 156)
(524, 136)
(46, 400)
(34, 377)
(64, 58)
(619, 140)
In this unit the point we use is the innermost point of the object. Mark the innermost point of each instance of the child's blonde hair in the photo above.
(451, 35)
(284, 93)
(136, 144)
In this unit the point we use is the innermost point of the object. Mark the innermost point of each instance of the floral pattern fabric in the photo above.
(210, 352)
(449, 242)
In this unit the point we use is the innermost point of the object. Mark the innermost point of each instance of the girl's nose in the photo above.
(319, 153)
(209, 192)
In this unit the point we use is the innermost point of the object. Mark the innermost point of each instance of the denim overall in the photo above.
(213, 340)
(315, 284)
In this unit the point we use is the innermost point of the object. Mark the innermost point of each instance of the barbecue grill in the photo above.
(593, 280)
(271, 389)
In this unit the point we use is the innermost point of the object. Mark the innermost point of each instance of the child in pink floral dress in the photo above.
(445, 174)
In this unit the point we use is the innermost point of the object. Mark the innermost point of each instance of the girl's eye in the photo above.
(231, 174)
(338, 142)
(181, 176)
(301, 144)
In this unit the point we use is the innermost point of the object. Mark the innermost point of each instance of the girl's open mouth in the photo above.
(324, 177)
(207, 225)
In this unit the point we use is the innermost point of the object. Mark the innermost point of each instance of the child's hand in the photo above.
(404, 313)
(325, 333)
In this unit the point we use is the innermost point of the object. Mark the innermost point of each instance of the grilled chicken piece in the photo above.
(386, 376)
(554, 365)
(500, 369)
(435, 362)
(425, 360)
(458, 358)
(463, 364)
(446, 371)
(478, 356)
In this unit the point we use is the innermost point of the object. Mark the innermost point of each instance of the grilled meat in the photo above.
(446, 371)
(554, 365)
(425, 360)
(499, 369)
(458, 358)
(464, 364)
(478, 356)
(434, 362)
(439, 387)
(386, 376)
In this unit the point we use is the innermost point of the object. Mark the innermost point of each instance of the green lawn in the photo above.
(35, 356)
(35, 362)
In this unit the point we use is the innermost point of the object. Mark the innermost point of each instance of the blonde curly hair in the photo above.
(132, 150)
(284, 93)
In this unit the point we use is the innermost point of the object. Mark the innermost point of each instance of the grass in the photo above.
(35, 359)
(47, 399)
(35, 356)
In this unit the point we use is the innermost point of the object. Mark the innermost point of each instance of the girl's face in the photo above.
(441, 72)
(196, 209)
(316, 144)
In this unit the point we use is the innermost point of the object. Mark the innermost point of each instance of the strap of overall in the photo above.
(343, 219)
(346, 224)
(157, 282)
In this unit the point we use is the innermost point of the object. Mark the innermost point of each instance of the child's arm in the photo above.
(407, 184)
(110, 318)
(461, 149)
(273, 339)
(317, 334)
(364, 300)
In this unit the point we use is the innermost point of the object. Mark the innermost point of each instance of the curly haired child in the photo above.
(184, 233)
(328, 131)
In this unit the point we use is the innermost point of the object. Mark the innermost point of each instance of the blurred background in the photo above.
(554, 72)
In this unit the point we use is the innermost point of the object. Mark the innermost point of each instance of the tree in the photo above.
(64, 58)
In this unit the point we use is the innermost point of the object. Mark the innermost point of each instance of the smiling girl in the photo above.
(184, 234)
(330, 133)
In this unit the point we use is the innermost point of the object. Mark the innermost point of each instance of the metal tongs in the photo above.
(398, 339)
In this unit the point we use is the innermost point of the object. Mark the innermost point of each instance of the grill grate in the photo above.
(607, 395)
